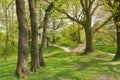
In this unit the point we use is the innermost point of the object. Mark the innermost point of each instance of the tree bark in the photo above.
(85, 21)
(88, 34)
(89, 42)
(45, 25)
(5, 53)
(22, 63)
(7, 34)
(34, 43)
(53, 36)
(79, 34)
(117, 23)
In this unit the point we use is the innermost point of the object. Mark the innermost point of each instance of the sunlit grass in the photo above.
(66, 43)
(62, 65)
(109, 49)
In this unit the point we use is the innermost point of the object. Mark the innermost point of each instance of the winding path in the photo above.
(67, 49)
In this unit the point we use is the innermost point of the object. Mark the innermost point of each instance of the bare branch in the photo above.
(102, 24)
(82, 4)
(49, 7)
(91, 3)
(9, 4)
(110, 3)
(95, 8)
(73, 19)
(47, 1)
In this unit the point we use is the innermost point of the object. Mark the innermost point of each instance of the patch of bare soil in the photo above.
(104, 77)
(67, 49)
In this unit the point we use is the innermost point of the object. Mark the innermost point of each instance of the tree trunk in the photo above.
(118, 42)
(89, 42)
(53, 36)
(22, 63)
(79, 34)
(34, 43)
(117, 23)
(45, 25)
(53, 40)
(88, 34)
(7, 35)
(41, 60)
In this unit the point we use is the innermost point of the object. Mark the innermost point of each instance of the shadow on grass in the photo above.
(67, 66)
(58, 55)
(52, 49)
(7, 68)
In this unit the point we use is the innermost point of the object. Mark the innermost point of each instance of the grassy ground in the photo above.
(68, 66)
(66, 43)
(109, 49)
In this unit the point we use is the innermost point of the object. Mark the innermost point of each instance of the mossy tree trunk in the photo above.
(34, 43)
(86, 7)
(22, 62)
(117, 23)
(79, 34)
(45, 25)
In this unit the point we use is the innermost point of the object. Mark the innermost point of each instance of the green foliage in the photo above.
(111, 5)
(60, 65)
(106, 36)
(70, 33)
(11, 48)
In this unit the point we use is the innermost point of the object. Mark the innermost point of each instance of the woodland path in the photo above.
(67, 49)
(79, 48)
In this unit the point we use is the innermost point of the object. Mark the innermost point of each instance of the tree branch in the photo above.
(110, 3)
(102, 24)
(82, 4)
(47, 1)
(9, 4)
(49, 7)
(95, 8)
(73, 19)
(91, 3)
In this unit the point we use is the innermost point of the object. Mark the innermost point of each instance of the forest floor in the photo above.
(62, 65)
(79, 48)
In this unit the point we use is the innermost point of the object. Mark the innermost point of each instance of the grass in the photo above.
(67, 66)
(67, 43)
(109, 49)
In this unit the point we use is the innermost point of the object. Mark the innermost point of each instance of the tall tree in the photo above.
(34, 43)
(22, 63)
(88, 8)
(114, 7)
(55, 27)
(117, 23)
(6, 4)
(45, 25)
(85, 19)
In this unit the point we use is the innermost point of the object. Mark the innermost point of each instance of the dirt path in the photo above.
(67, 49)
(104, 77)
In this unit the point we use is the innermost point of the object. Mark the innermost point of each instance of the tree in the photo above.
(76, 11)
(22, 62)
(34, 43)
(114, 7)
(85, 19)
(117, 23)
(6, 9)
(55, 26)
(88, 8)
(45, 25)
